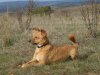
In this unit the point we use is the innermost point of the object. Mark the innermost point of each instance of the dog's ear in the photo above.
(43, 32)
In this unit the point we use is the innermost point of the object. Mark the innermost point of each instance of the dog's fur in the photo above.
(47, 53)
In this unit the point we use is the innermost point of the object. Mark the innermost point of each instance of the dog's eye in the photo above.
(36, 37)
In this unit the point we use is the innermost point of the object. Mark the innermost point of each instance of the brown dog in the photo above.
(46, 53)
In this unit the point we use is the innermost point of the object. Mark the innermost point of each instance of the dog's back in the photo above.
(58, 53)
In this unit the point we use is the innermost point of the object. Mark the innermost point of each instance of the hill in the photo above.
(12, 6)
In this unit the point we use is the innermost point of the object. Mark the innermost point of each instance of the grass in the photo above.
(18, 50)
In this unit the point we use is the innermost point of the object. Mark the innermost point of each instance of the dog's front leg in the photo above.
(39, 63)
(33, 63)
(30, 63)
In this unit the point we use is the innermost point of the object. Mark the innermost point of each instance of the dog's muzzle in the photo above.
(31, 41)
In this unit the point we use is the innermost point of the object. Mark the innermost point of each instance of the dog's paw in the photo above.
(24, 65)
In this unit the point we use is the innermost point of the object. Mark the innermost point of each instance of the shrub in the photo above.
(43, 10)
(10, 40)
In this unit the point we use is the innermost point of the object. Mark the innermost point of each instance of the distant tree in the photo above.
(30, 6)
(90, 16)
(28, 12)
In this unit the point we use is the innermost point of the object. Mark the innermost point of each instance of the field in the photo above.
(15, 49)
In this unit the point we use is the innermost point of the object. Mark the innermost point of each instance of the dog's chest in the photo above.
(39, 54)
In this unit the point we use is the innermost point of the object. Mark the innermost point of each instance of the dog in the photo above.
(46, 53)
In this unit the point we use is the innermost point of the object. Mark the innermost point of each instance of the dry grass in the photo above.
(15, 49)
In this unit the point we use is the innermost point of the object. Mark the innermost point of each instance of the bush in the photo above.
(43, 10)
(10, 40)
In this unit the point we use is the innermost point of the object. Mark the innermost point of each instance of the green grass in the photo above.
(19, 50)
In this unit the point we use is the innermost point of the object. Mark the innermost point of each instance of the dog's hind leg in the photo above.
(73, 54)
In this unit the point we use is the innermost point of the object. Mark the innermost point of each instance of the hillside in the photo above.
(12, 6)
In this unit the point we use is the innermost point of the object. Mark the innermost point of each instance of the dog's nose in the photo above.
(29, 41)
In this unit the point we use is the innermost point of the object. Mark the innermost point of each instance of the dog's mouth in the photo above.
(34, 43)
(30, 41)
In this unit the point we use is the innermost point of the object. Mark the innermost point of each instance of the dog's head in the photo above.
(39, 36)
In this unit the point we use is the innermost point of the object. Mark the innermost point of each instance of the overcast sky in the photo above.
(36, 0)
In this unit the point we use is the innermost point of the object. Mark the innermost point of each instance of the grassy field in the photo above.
(15, 49)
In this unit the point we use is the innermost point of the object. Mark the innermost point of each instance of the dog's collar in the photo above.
(40, 46)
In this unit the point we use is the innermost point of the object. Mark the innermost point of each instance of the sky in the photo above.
(36, 0)
(10, 0)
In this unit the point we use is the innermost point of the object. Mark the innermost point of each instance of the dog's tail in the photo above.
(72, 38)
